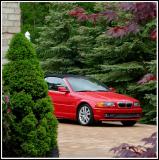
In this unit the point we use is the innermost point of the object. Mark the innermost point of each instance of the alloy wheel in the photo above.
(85, 115)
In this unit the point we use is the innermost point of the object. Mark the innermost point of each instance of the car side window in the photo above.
(54, 83)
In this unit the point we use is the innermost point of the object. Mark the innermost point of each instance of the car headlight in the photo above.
(136, 104)
(105, 104)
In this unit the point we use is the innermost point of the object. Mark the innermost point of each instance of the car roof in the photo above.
(64, 75)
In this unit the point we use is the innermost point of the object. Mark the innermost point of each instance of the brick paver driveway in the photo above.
(95, 141)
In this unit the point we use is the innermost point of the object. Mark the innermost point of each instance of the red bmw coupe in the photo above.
(87, 100)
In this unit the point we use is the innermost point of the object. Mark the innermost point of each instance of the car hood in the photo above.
(105, 96)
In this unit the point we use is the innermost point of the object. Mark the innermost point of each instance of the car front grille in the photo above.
(125, 104)
(126, 115)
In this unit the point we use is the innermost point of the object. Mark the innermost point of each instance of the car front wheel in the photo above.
(128, 123)
(85, 115)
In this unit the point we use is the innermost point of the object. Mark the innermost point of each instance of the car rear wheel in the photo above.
(85, 115)
(128, 123)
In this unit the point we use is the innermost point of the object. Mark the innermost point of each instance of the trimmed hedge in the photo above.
(25, 75)
(20, 48)
(34, 130)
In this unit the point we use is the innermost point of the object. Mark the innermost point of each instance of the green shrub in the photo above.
(21, 104)
(7, 120)
(150, 114)
(33, 132)
(146, 93)
(20, 49)
(42, 107)
(25, 75)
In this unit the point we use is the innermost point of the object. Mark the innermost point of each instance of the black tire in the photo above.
(128, 123)
(98, 123)
(79, 118)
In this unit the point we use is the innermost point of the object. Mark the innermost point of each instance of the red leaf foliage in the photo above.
(93, 17)
(6, 98)
(132, 27)
(151, 139)
(127, 6)
(76, 12)
(82, 17)
(146, 78)
(117, 31)
(7, 102)
(142, 11)
(8, 110)
(126, 150)
(110, 15)
(120, 31)
(80, 14)
(153, 35)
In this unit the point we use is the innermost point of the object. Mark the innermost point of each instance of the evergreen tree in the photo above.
(53, 45)
(32, 17)
(33, 131)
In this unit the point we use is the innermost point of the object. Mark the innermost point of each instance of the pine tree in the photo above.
(53, 46)
(33, 131)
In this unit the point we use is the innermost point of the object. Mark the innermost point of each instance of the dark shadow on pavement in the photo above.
(100, 124)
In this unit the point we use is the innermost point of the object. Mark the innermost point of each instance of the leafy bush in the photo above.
(146, 92)
(21, 104)
(42, 106)
(20, 49)
(34, 129)
(127, 150)
(150, 114)
(7, 120)
(25, 75)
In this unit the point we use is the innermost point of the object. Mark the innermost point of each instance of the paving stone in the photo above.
(77, 141)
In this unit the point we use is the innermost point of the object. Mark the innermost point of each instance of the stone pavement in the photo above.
(77, 141)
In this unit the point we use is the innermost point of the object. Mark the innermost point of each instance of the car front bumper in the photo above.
(117, 114)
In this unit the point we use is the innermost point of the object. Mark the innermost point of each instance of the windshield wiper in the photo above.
(93, 91)
(101, 91)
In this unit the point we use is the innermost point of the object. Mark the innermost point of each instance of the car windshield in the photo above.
(80, 84)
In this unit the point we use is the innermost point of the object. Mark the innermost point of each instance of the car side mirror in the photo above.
(62, 89)
(112, 89)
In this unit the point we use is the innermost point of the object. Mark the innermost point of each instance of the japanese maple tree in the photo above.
(147, 150)
(142, 12)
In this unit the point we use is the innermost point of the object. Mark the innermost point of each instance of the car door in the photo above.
(64, 102)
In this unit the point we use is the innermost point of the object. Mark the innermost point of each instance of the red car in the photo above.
(87, 100)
